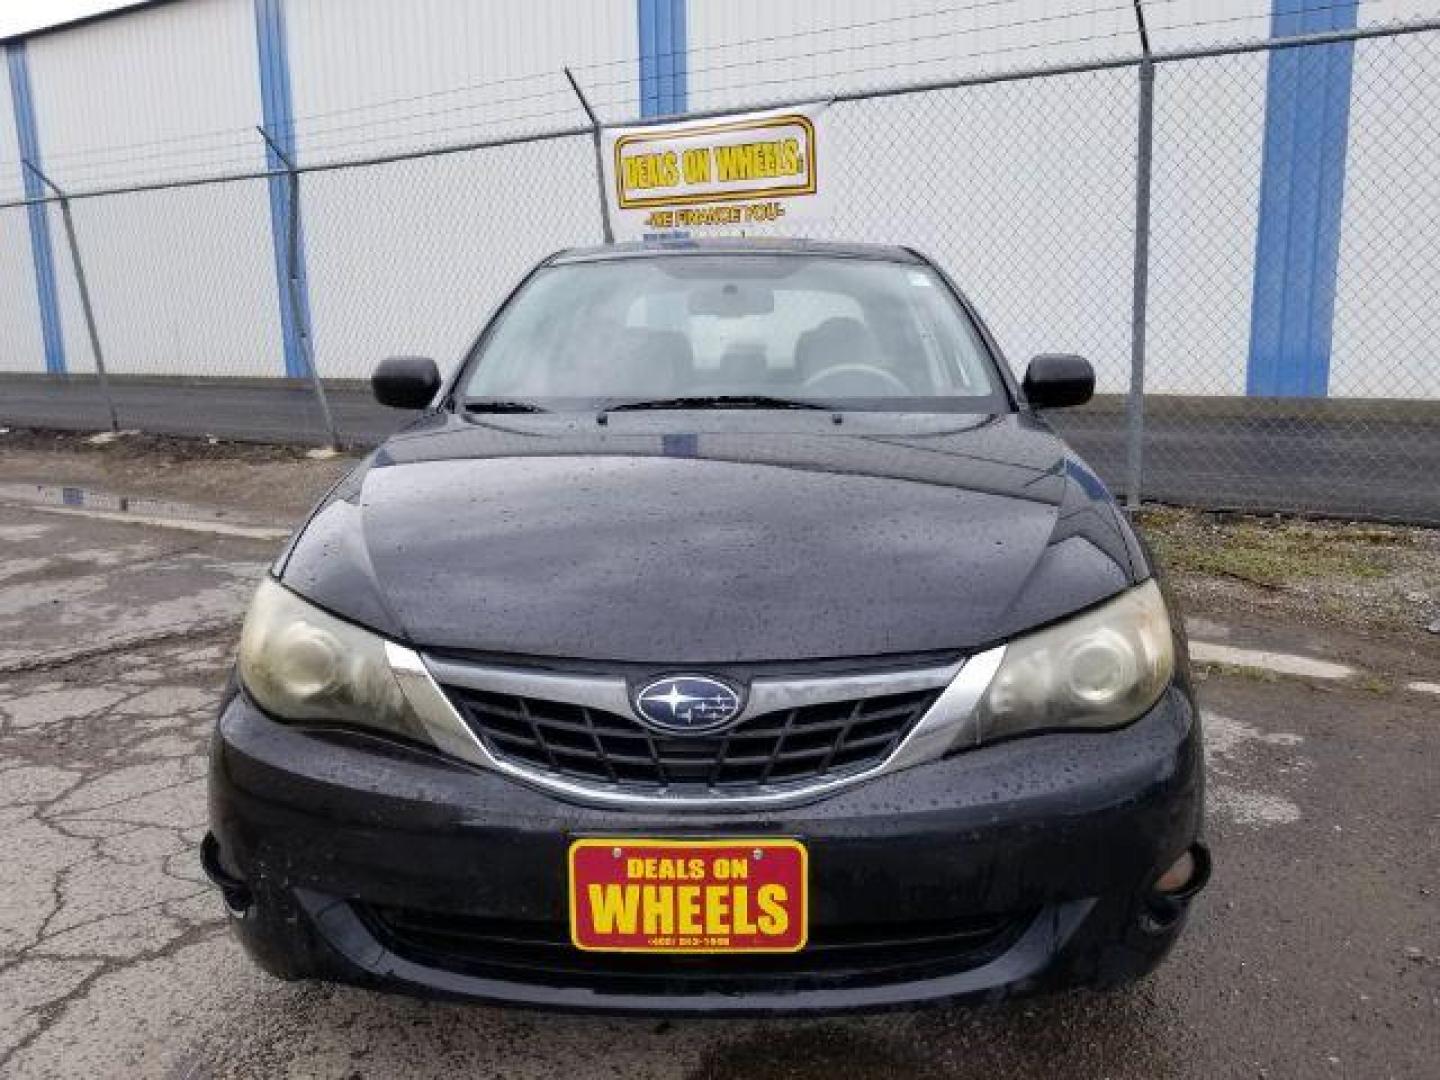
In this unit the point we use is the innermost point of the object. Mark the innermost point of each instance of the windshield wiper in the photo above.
(501, 405)
(717, 401)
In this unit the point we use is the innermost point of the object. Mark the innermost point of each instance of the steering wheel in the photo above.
(864, 371)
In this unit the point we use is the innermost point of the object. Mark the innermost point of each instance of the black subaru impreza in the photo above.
(729, 634)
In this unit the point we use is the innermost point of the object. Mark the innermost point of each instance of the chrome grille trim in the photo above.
(612, 694)
(942, 724)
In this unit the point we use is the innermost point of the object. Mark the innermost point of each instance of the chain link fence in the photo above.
(1369, 443)
(1037, 219)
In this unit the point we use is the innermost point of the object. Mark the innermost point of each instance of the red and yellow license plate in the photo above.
(688, 896)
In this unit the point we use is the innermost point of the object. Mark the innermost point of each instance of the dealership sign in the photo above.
(689, 896)
(738, 173)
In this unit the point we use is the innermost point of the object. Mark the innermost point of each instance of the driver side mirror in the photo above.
(1058, 380)
(405, 382)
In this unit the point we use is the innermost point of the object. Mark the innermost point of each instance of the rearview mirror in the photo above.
(1058, 380)
(405, 382)
(732, 301)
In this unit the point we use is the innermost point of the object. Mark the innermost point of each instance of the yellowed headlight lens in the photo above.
(1099, 669)
(300, 663)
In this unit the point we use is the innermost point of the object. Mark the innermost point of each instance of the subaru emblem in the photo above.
(687, 704)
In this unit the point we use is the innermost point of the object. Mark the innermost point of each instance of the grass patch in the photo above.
(1208, 669)
(1266, 552)
(1376, 684)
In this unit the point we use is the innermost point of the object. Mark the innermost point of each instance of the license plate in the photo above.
(688, 896)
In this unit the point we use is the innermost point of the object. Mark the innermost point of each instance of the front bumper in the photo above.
(1015, 867)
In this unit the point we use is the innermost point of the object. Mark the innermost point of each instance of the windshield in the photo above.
(750, 330)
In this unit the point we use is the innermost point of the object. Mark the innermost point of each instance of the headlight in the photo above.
(298, 663)
(1099, 669)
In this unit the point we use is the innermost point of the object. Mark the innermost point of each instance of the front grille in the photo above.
(784, 748)
(541, 952)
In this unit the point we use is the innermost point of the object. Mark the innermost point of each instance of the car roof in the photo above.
(737, 245)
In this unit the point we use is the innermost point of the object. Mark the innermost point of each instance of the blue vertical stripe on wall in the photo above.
(279, 122)
(1302, 191)
(663, 68)
(41, 254)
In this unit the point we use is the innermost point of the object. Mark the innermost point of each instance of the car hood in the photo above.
(714, 538)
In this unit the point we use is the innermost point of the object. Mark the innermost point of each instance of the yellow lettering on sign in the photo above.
(645, 171)
(658, 907)
(717, 909)
(732, 869)
(740, 911)
(688, 905)
(669, 909)
(613, 908)
(697, 166)
(662, 869)
(710, 215)
(775, 920)
(758, 160)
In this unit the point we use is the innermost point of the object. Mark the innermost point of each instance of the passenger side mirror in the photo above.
(1058, 380)
(405, 382)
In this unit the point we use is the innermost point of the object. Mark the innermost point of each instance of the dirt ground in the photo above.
(1314, 953)
(275, 482)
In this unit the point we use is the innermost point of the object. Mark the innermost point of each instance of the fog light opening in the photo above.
(1178, 876)
(1175, 887)
(233, 891)
(1187, 875)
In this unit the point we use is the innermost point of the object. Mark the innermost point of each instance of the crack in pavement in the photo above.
(188, 632)
(101, 792)
(73, 565)
(52, 1011)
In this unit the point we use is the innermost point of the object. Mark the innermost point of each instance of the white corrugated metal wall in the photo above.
(181, 281)
(1036, 216)
(410, 257)
(407, 257)
(1387, 323)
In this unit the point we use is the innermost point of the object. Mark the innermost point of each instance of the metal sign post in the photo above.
(84, 286)
(605, 229)
(292, 270)
(1140, 288)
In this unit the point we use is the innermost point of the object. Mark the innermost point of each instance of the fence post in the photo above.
(292, 273)
(605, 229)
(84, 286)
(1140, 286)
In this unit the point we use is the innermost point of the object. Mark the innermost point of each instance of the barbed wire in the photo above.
(241, 153)
(210, 147)
(296, 122)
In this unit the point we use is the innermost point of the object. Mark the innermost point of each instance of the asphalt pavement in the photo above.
(1315, 952)
(1344, 464)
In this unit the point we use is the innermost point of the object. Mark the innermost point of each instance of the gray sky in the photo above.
(18, 16)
